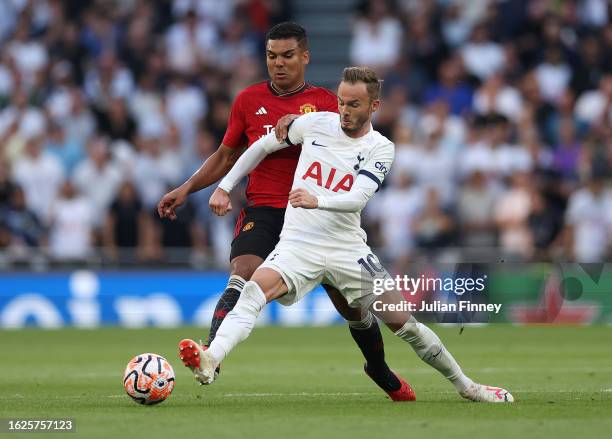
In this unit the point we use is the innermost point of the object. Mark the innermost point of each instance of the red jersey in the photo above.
(254, 114)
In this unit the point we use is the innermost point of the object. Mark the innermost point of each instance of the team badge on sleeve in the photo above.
(307, 108)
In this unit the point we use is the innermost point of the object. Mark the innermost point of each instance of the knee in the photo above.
(245, 266)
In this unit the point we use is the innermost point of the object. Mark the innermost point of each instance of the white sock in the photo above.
(239, 322)
(430, 349)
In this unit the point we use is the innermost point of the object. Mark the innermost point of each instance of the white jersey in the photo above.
(329, 164)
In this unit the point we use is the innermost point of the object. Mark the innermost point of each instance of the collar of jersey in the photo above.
(278, 93)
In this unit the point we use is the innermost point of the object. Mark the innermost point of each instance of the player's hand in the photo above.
(171, 201)
(302, 198)
(282, 126)
(220, 202)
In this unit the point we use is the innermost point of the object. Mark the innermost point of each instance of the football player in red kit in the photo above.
(255, 113)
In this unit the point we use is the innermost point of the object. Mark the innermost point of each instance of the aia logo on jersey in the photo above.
(307, 108)
(316, 173)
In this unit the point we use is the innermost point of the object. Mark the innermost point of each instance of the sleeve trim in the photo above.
(288, 140)
(372, 176)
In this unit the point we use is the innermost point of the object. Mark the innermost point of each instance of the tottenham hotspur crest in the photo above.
(359, 160)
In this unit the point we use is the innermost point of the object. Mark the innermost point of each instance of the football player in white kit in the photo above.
(342, 164)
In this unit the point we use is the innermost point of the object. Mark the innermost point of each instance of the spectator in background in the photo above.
(553, 74)
(508, 157)
(450, 88)
(595, 106)
(376, 38)
(590, 67)
(40, 174)
(455, 25)
(7, 186)
(588, 222)
(423, 44)
(115, 122)
(125, 226)
(186, 106)
(156, 166)
(30, 55)
(536, 108)
(14, 123)
(544, 225)
(25, 228)
(395, 213)
(512, 212)
(176, 238)
(97, 178)
(107, 79)
(191, 43)
(71, 225)
(475, 208)
(481, 55)
(496, 96)
(433, 226)
(568, 152)
(68, 151)
(436, 165)
(79, 122)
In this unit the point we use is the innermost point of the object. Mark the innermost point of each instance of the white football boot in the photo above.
(481, 393)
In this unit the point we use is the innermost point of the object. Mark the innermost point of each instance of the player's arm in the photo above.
(368, 181)
(352, 201)
(215, 167)
(219, 202)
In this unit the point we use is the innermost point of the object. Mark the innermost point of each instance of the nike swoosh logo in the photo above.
(314, 142)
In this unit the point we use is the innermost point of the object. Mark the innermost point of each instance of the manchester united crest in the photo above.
(307, 108)
(248, 226)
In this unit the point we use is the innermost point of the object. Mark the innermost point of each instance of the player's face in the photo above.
(355, 107)
(286, 63)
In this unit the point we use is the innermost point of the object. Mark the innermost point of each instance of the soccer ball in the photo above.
(148, 379)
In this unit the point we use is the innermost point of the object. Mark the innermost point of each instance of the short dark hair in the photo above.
(287, 30)
(353, 75)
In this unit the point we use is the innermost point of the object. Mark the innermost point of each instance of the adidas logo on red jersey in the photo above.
(261, 110)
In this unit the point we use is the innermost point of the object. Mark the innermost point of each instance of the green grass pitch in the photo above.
(308, 383)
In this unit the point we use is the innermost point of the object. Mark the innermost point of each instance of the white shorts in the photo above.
(304, 265)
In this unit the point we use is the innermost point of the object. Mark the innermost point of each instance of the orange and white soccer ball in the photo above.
(148, 379)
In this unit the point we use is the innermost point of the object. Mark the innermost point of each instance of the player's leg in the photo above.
(242, 268)
(265, 286)
(291, 270)
(255, 235)
(366, 332)
(431, 350)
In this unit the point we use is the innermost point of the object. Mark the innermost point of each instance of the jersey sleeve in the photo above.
(250, 159)
(351, 201)
(379, 163)
(299, 127)
(235, 136)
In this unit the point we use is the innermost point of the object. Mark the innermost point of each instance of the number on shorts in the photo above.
(371, 265)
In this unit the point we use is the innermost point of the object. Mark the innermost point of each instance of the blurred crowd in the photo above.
(105, 106)
(501, 112)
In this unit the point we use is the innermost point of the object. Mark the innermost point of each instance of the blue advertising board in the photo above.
(89, 299)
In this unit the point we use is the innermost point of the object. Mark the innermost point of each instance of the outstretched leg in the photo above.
(265, 286)
(432, 351)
